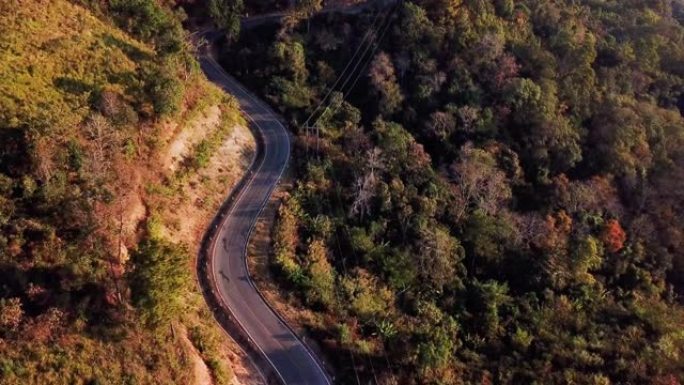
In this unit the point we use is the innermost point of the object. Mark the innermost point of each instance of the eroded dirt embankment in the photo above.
(182, 204)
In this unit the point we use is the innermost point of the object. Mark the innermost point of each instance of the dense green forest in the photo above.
(498, 200)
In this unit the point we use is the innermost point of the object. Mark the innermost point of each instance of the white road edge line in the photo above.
(213, 246)
(270, 112)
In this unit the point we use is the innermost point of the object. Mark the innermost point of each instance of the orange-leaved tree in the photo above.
(613, 236)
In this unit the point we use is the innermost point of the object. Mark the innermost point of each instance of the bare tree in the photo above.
(109, 104)
(468, 115)
(478, 183)
(101, 136)
(367, 183)
(441, 125)
(43, 158)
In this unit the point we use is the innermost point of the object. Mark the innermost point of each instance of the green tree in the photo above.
(622, 139)
(285, 241)
(504, 7)
(226, 15)
(488, 297)
(159, 280)
(150, 22)
(416, 28)
(368, 297)
(439, 258)
(321, 274)
(548, 141)
(588, 256)
(164, 91)
(437, 337)
(383, 79)
(289, 86)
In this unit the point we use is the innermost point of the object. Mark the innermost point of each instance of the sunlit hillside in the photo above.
(105, 120)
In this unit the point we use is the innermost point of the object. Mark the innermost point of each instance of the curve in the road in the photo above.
(287, 355)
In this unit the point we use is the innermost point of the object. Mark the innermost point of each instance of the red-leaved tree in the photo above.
(613, 236)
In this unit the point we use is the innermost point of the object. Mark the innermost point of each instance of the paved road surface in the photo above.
(293, 363)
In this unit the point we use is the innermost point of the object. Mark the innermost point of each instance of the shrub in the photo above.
(165, 92)
(158, 280)
(148, 21)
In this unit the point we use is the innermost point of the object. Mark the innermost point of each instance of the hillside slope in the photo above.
(108, 131)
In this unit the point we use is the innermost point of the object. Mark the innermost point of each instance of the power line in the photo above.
(374, 42)
(375, 48)
(342, 74)
(369, 33)
(339, 297)
(344, 264)
(326, 201)
(306, 124)
(383, 32)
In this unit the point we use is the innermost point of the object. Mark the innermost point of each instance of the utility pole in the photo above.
(317, 130)
(306, 139)
(318, 139)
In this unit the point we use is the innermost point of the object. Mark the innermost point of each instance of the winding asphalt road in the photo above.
(293, 363)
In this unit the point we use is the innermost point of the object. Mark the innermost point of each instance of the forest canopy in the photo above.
(497, 199)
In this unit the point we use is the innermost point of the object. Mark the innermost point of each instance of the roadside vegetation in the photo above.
(497, 201)
(92, 288)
